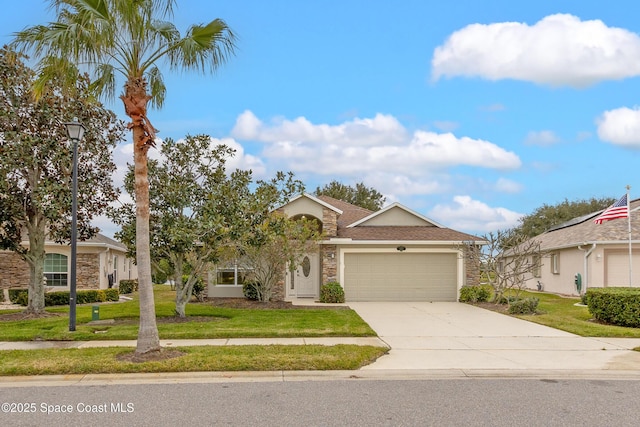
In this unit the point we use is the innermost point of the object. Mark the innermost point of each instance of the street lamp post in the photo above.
(75, 131)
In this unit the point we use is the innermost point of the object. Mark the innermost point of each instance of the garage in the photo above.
(617, 267)
(400, 276)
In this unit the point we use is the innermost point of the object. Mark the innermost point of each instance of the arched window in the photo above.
(55, 269)
(309, 218)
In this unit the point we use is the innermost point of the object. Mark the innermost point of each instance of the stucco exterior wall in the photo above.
(597, 273)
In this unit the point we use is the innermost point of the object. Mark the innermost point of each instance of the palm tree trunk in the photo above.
(148, 338)
(135, 102)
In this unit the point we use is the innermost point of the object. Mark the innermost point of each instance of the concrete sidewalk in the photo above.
(36, 345)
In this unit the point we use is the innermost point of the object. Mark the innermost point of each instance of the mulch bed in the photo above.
(27, 316)
(152, 356)
(247, 303)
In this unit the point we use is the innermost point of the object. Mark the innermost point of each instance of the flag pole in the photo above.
(629, 225)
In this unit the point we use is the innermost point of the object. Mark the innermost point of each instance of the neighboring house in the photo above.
(101, 263)
(595, 255)
(393, 254)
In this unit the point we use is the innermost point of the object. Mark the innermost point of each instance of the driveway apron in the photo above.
(425, 335)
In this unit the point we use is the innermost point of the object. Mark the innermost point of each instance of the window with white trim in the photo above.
(555, 263)
(231, 275)
(56, 270)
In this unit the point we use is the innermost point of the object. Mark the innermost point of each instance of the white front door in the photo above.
(305, 279)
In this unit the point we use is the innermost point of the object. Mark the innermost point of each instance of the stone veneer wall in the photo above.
(329, 253)
(471, 268)
(329, 222)
(14, 271)
(88, 271)
(329, 264)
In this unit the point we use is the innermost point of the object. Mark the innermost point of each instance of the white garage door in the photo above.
(618, 268)
(400, 276)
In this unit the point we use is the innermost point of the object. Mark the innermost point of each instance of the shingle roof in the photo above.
(584, 230)
(405, 233)
(101, 238)
(352, 213)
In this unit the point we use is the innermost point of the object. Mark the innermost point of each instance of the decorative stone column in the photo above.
(329, 263)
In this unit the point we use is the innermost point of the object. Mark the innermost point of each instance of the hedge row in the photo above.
(616, 306)
(21, 296)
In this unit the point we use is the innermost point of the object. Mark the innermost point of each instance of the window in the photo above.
(537, 264)
(555, 263)
(55, 269)
(115, 268)
(230, 275)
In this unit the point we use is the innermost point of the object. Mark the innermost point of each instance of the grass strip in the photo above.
(194, 359)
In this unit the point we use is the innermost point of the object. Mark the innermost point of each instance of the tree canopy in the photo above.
(360, 195)
(36, 164)
(115, 39)
(547, 216)
(200, 213)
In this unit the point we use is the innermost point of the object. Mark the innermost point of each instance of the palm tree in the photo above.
(128, 38)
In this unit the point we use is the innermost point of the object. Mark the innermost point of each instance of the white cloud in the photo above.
(365, 146)
(542, 138)
(445, 126)
(402, 185)
(558, 50)
(382, 129)
(620, 126)
(468, 214)
(241, 160)
(504, 185)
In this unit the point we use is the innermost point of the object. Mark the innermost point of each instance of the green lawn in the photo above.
(194, 359)
(562, 313)
(206, 321)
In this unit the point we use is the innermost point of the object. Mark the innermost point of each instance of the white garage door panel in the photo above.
(618, 268)
(400, 277)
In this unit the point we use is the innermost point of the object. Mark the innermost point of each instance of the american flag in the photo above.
(619, 209)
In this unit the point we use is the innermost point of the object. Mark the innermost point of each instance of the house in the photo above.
(580, 254)
(101, 263)
(393, 254)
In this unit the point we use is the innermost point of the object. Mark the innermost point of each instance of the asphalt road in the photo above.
(356, 402)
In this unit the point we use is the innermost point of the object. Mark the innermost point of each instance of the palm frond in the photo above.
(156, 87)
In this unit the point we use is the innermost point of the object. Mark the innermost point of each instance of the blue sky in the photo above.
(469, 112)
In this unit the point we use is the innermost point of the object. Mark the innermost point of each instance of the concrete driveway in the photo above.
(425, 335)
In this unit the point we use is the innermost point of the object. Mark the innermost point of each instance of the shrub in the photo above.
(59, 298)
(474, 294)
(250, 290)
(89, 296)
(198, 287)
(128, 286)
(19, 296)
(524, 306)
(584, 299)
(111, 294)
(331, 292)
(617, 306)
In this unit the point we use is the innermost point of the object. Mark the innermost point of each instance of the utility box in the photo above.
(95, 312)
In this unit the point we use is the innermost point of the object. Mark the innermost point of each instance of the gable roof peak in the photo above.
(394, 206)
